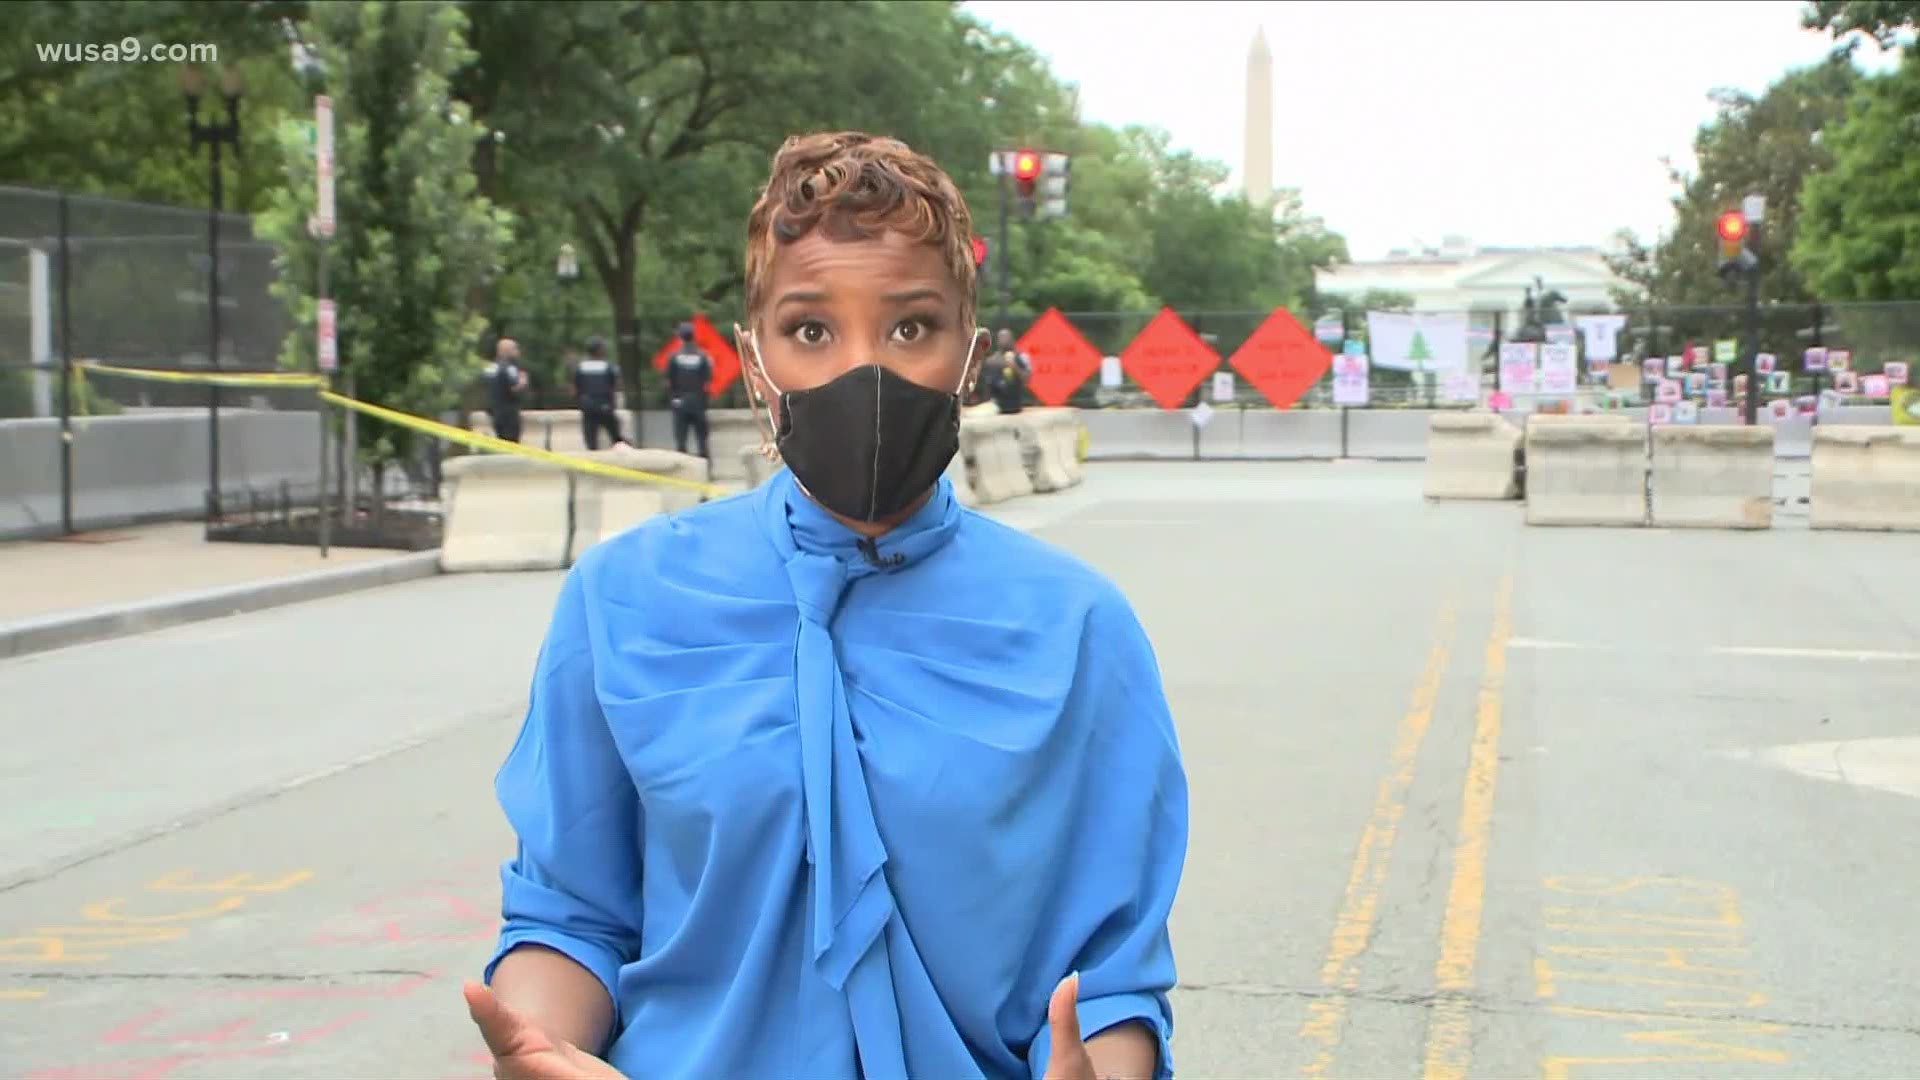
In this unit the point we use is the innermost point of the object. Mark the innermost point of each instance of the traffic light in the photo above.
(1732, 227)
(1056, 178)
(1735, 259)
(1026, 171)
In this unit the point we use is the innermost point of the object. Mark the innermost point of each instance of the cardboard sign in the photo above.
(1350, 379)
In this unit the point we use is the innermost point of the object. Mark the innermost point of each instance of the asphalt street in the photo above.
(1469, 799)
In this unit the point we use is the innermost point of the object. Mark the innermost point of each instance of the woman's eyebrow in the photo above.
(924, 292)
(803, 296)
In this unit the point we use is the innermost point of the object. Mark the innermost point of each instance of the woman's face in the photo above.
(836, 305)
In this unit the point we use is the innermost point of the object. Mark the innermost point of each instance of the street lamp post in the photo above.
(213, 135)
(567, 269)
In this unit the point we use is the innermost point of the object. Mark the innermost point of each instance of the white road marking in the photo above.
(1773, 652)
(1760, 652)
(1536, 643)
(1885, 764)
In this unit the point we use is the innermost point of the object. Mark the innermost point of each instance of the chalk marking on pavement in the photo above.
(1680, 908)
(201, 816)
(1671, 957)
(22, 995)
(1359, 908)
(107, 927)
(1450, 1025)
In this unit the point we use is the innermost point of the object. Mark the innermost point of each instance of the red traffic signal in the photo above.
(1732, 229)
(1026, 166)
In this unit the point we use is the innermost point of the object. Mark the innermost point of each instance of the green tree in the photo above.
(1883, 20)
(119, 128)
(1861, 219)
(414, 236)
(1768, 145)
(1211, 252)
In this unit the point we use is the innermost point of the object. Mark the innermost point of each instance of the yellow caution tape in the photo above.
(487, 442)
(207, 378)
(471, 439)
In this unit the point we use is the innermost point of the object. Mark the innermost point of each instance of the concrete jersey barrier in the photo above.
(505, 513)
(1058, 432)
(1045, 447)
(1586, 473)
(1472, 456)
(1712, 477)
(1866, 478)
(605, 506)
(992, 445)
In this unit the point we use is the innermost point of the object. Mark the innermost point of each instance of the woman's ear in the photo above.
(759, 394)
(977, 353)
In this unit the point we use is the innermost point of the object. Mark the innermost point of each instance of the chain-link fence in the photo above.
(127, 284)
(86, 280)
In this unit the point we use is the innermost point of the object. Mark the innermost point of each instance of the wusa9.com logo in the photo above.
(127, 50)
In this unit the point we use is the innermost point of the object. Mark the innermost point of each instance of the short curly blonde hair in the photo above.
(858, 187)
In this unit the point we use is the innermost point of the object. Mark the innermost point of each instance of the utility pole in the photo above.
(213, 135)
(1753, 331)
(1006, 250)
(1739, 232)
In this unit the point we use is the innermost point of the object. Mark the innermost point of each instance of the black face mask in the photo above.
(869, 443)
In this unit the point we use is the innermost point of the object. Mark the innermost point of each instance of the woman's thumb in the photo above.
(1063, 1016)
(499, 1025)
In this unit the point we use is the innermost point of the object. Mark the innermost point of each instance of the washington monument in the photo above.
(1259, 144)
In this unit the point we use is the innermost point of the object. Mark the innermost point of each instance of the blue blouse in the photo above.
(809, 816)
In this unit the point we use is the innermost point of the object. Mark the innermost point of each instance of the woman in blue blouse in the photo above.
(799, 792)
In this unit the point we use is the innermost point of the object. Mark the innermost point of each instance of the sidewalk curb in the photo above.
(100, 624)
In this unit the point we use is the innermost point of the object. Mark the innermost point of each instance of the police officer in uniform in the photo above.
(1007, 373)
(689, 373)
(596, 386)
(505, 382)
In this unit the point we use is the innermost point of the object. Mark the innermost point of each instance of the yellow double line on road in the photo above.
(1448, 1042)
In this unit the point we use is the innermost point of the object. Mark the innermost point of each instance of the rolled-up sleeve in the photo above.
(1131, 845)
(573, 884)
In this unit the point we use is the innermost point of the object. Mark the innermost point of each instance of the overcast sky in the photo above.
(1512, 124)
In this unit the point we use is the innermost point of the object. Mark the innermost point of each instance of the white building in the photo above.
(1458, 276)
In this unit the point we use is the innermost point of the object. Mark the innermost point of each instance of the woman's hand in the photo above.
(1118, 1053)
(1069, 1059)
(522, 1051)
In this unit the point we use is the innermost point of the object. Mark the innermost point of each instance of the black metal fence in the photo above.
(128, 284)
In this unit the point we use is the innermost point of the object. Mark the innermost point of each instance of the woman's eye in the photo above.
(911, 330)
(811, 332)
